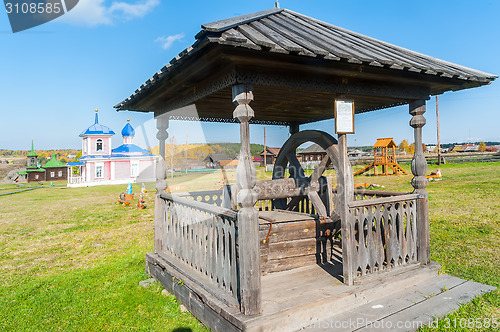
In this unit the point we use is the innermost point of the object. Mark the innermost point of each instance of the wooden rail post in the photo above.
(248, 223)
(419, 181)
(161, 183)
(345, 194)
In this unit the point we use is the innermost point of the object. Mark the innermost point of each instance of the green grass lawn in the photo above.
(71, 259)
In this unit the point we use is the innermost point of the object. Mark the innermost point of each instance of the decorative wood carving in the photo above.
(161, 184)
(248, 225)
(419, 181)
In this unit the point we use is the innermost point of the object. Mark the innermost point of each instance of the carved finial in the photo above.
(277, 4)
(128, 119)
(96, 110)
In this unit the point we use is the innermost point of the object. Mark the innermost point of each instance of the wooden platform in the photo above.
(302, 297)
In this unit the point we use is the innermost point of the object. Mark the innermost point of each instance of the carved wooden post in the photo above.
(248, 222)
(161, 183)
(345, 192)
(419, 182)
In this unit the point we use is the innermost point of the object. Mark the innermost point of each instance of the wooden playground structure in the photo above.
(382, 157)
(263, 255)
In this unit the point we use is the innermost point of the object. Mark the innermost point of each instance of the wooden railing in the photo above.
(202, 240)
(385, 233)
(361, 194)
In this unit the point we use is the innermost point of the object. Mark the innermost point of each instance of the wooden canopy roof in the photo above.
(297, 65)
(385, 143)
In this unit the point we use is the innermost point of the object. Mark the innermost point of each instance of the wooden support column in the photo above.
(345, 194)
(161, 182)
(294, 128)
(419, 182)
(248, 221)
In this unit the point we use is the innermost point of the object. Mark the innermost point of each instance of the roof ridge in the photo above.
(228, 23)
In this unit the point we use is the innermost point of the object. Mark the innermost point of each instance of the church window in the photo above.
(99, 145)
(134, 169)
(59, 174)
(52, 174)
(98, 171)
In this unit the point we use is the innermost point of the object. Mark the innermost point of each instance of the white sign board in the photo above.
(344, 116)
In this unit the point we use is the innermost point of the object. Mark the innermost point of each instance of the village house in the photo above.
(217, 161)
(53, 170)
(271, 154)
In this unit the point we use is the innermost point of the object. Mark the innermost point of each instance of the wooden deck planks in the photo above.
(294, 299)
(408, 309)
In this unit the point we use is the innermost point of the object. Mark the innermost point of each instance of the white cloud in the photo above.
(97, 12)
(167, 41)
(133, 10)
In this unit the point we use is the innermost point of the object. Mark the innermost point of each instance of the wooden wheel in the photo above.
(287, 157)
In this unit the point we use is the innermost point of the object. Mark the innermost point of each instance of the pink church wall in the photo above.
(106, 142)
(146, 168)
(106, 170)
(122, 169)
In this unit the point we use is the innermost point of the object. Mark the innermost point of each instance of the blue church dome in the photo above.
(97, 129)
(128, 130)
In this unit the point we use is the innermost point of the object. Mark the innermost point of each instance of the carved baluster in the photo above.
(161, 183)
(419, 182)
(418, 164)
(248, 224)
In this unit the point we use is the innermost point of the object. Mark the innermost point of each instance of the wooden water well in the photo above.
(217, 255)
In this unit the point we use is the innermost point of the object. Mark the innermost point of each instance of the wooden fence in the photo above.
(451, 158)
(202, 240)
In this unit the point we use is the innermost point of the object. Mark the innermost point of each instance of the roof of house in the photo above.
(217, 156)
(313, 148)
(471, 148)
(97, 129)
(31, 170)
(385, 143)
(271, 151)
(53, 162)
(128, 130)
(280, 36)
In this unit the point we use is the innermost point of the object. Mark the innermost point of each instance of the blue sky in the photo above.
(53, 76)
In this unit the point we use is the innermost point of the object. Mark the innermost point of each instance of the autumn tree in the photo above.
(403, 146)
(482, 147)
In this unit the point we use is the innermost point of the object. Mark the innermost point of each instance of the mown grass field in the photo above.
(71, 259)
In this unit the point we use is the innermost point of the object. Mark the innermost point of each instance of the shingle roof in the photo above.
(314, 148)
(272, 151)
(217, 156)
(284, 31)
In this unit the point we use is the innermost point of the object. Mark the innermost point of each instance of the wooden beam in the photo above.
(248, 219)
(345, 194)
(161, 182)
